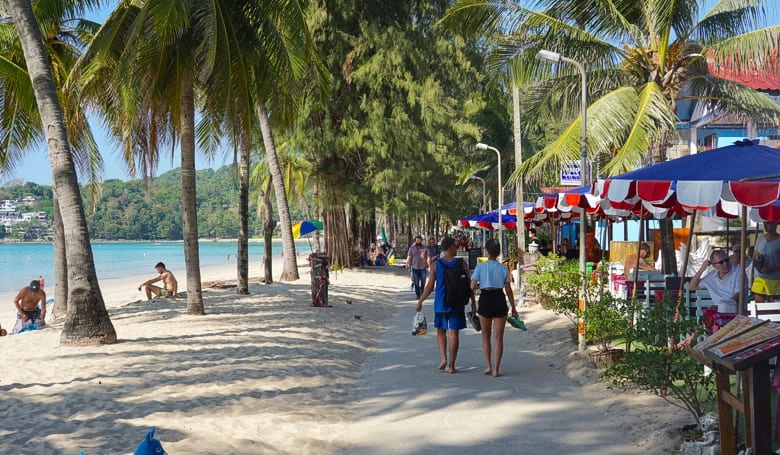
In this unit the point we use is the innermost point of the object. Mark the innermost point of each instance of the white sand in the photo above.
(263, 373)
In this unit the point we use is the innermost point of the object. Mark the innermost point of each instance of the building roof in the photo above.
(765, 81)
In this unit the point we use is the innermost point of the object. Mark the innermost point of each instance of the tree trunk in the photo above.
(87, 321)
(189, 198)
(290, 261)
(337, 244)
(60, 266)
(669, 259)
(242, 254)
(268, 232)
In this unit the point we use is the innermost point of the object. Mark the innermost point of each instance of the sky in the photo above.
(35, 166)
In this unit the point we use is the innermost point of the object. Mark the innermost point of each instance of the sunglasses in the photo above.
(720, 262)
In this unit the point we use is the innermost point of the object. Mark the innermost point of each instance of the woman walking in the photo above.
(492, 278)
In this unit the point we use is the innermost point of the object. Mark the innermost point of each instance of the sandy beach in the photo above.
(262, 373)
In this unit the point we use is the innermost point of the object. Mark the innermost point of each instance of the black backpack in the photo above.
(457, 285)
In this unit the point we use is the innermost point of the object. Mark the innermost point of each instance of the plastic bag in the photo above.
(419, 324)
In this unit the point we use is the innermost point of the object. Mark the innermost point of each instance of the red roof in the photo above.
(749, 77)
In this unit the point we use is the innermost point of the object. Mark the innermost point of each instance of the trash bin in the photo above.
(319, 279)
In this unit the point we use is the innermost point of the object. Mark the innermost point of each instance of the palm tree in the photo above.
(64, 36)
(272, 49)
(87, 320)
(641, 59)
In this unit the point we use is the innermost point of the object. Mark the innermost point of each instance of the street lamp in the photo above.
(481, 146)
(555, 57)
(484, 201)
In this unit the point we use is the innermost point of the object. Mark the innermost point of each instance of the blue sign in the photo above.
(570, 174)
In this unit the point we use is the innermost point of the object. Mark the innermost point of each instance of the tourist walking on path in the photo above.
(417, 262)
(492, 278)
(447, 320)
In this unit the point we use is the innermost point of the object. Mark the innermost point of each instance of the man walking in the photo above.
(417, 261)
(448, 321)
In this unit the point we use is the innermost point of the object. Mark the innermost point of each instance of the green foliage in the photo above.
(557, 283)
(657, 365)
(397, 129)
(606, 316)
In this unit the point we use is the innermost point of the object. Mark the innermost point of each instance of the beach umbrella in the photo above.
(746, 173)
(708, 182)
(305, 227)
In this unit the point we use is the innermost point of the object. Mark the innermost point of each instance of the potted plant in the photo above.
(606, 318)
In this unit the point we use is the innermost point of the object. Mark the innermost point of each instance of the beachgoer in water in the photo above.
(27, 301)
(170, 286)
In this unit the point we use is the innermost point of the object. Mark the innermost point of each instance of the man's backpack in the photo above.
(457, 285)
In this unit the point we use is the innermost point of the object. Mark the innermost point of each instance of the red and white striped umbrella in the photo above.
(714, 182)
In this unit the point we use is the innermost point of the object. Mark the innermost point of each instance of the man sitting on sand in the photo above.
(26, 303)
(170, 286)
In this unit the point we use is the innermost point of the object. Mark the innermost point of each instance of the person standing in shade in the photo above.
(417, 263)
(534, 243)
(492, 278)
(447, 320)
(434, 250)
(766, 264)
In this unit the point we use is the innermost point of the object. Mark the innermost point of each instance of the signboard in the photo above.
(570, 174)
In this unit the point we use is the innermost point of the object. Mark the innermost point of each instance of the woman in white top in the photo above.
(492, 278)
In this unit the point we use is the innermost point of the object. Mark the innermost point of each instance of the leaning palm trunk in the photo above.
(189, 199)
(268, 232)
(290, 267)
(242, 255)
(60, 265)
(87, 321)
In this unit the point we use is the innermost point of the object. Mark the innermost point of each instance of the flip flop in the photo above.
(516, 323)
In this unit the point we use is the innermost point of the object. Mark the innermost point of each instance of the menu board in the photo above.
(741, 342)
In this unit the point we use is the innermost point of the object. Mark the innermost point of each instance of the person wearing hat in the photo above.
(644, 264)
(27, 303)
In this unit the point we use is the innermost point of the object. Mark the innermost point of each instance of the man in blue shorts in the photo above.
(446, 318)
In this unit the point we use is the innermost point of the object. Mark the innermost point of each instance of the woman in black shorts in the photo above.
(492, 278)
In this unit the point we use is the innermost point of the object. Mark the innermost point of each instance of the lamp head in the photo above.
(549, 56)
(481, 146)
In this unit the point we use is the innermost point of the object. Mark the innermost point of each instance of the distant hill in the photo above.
(151, 209)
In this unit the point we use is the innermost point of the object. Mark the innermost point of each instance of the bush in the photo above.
(659, 366)
(557, 283)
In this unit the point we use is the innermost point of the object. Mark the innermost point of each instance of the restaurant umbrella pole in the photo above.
(634, 277)
(684, 270)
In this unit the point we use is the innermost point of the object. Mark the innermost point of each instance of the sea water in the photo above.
(21, 263)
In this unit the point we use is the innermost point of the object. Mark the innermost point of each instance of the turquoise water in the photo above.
(22, 262)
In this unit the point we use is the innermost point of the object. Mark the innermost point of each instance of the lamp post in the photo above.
(481, 146)
(484, 201)
(555, 57)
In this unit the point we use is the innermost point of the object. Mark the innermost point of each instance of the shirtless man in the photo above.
(26, 303)
(170, 286)
(644, 264)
